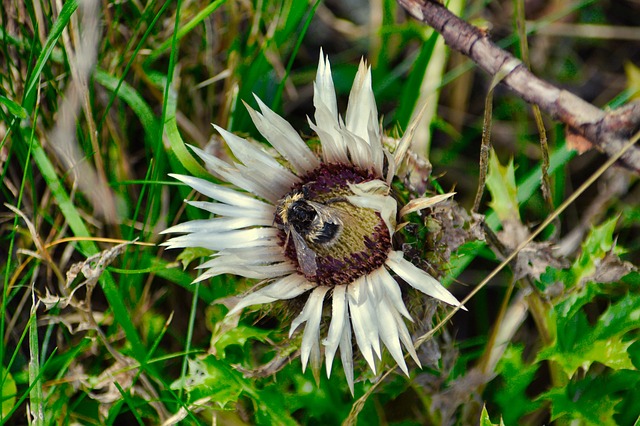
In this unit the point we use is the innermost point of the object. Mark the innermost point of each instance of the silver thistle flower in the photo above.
(320, 224)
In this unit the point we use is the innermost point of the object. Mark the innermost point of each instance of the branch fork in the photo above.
(608, 130)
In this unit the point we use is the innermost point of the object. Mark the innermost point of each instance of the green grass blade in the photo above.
(157, 146)
(410, 94)
(192, 320)
(180, 149)
(36, 395)
(303, 32)
(181, 32)
(126, 399)
(116, 89)
(61, 23)
(132, 98)
(13, 107)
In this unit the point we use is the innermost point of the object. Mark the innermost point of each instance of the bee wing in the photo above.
(306, 256)
(326, 213)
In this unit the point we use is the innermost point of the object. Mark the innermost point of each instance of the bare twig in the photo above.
(607, 130)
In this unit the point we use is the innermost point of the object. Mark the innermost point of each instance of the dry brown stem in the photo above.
(607, 130)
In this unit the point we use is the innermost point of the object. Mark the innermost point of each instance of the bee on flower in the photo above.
(316, 225)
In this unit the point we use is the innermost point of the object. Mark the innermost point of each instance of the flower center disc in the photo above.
(332, 241)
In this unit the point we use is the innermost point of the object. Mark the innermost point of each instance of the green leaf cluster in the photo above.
(593, 355)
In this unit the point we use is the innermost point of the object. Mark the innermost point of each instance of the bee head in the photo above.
(301, 215)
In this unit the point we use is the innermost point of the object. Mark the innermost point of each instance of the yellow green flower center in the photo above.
(332, 241)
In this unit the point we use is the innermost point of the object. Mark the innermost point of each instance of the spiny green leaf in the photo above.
(619, 318)
(634, 354)
(517, 376)
(598, 243)
(486, 421)
(239, 336)
(209, 378)
(531, 183)
(598, 412)
(190, 254)
(271, 409)
(578, 345)
(501, 183)
(575, 300)
(216, 380)
(594, 400)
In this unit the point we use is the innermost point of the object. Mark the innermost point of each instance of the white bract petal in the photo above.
(370, 187)
(359, 150)
(422, 203)
(245, 238)
(374, 291)
(324, 95)
(259, 256)
(283, 138)
(310, 314)
(259, 272)
(283, 289)
(405, 337)
(327, 125)
(264, 213)
(220, 224)
(364, 322)
(362, 104)
(377, 151)
(346, 354)
(334, 149)
(391, 290)
(389, 333)
(258, 160)
(339, 321)
(221, 193)
(241, 176)
(383, 204)
(419, 279)
(271, 265)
